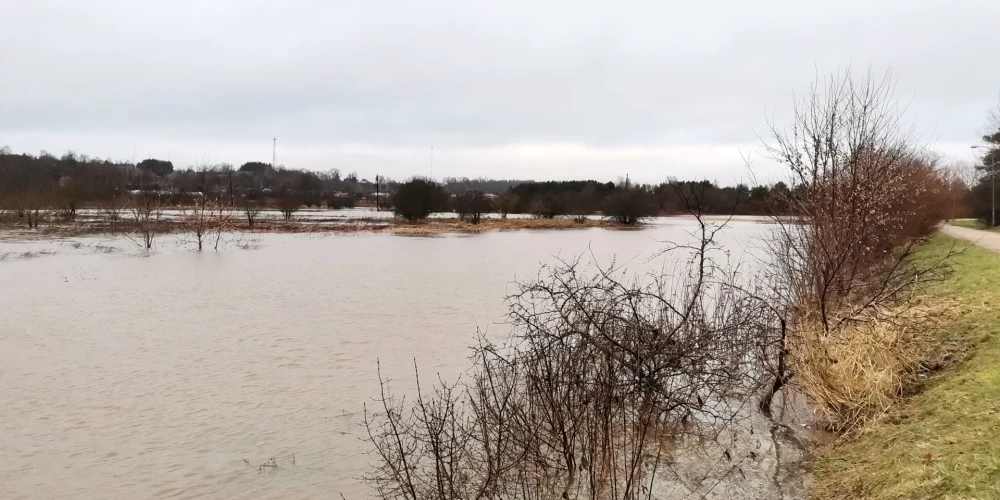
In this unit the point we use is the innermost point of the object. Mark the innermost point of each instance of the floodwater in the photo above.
(177, 374)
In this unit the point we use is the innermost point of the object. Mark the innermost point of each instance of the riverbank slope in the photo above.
(943, 442)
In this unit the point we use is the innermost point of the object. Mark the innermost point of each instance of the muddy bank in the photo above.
(85, 226)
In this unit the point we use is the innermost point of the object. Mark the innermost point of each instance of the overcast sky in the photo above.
(507, 89)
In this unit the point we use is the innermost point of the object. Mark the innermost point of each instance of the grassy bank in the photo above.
(945, 441)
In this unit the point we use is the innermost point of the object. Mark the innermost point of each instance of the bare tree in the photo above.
(960, 178)
(289, 203)
(145, 211)
(72, 192)
(865, 195)
(582, 204)
(34, 205)
(199, 219)
(223, 218)
(506, 203)
(251, 212)
(208, 220)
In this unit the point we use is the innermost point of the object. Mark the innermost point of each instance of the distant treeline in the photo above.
(78, 180)
(71, 181)
(671, 197)
(458, 185)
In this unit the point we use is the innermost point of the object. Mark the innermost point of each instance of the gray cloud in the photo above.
(542, 89)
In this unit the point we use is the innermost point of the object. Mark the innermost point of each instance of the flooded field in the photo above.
(177, 374)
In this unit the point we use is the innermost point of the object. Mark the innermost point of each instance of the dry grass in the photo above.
(858, 372)
(436, 226)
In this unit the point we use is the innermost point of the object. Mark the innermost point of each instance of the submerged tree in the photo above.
(629, 206)
(145, 211)
(471, 205)
(207, 220)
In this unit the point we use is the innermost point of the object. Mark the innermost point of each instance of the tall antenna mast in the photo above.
(274, 154)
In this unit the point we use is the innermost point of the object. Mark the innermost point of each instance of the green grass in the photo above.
(969, 223)
(943, 443)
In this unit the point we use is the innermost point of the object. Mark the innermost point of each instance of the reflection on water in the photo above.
(178, 374)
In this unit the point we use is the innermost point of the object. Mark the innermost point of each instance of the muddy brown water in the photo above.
(176, 374)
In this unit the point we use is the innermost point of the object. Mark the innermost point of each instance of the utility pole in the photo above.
(376, 194)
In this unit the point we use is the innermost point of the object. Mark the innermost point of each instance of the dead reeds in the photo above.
(860, 370)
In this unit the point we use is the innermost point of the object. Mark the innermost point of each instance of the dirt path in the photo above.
(986, 239)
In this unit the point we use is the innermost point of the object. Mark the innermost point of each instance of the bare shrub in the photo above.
(110, 212)
(31, 205)
(471, 205)
(36, 208)
(71, 194)
(550, 206)
(865, 194)
(67, 212)
(605, 377)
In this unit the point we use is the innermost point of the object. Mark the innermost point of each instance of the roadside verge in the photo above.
(945, 441)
